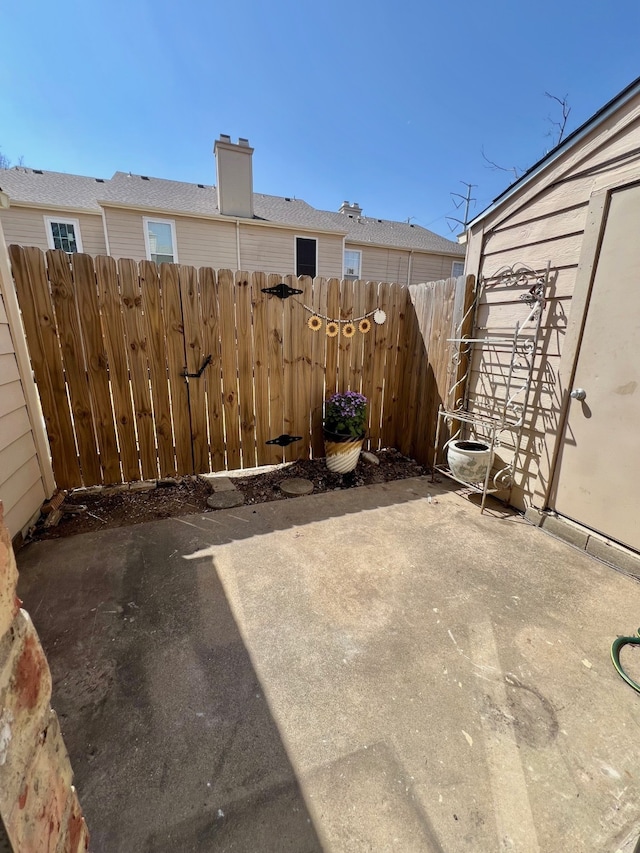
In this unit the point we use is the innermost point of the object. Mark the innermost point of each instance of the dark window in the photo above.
(306, 256)
(64, 236)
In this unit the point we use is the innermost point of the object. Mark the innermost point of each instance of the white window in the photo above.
(160, 240)
(457, 269)
(63, 234)
(352, 263)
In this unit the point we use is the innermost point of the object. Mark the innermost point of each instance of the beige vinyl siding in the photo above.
(200, 242)
(383, 264)
(126, 237)
(544, 222)
(273, 250)
(26, 227)
(206, 242)
(21, 487)
(269, 250)
(426, 267)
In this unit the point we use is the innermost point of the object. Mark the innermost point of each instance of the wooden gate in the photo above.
(147, 371)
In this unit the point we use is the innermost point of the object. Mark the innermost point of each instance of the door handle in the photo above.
(578, 394)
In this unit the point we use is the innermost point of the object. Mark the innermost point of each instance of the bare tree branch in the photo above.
(497, 168)
(562, 123)
(5, 163)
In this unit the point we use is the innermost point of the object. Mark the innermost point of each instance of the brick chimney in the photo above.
(234, 176)
(354, 210)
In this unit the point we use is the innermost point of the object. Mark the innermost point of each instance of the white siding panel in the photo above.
(8, 369)
(15, 455)
(554, 225)
(14, 425)
(11, 397)
(19, 515)
(6, 344)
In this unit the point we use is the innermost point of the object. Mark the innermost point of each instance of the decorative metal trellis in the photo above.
(510, 411)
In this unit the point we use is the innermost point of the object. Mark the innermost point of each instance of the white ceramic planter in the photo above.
(342, 456)
(468, 460)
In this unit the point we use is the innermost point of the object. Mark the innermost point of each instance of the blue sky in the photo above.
(387, 104)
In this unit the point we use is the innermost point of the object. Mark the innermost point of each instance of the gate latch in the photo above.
(284, 440)
(282, 290)
(207, 361)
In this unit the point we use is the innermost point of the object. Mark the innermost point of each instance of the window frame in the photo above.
(297, 237)
(453, 263)
(344, 265)
(147, 243)
(63, 220)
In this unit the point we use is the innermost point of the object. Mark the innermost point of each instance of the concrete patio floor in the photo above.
(363, 670)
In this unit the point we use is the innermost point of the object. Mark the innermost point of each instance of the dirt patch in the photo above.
(189, 494)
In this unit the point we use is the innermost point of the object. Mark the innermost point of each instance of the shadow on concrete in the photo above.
(169, 732)
(220, 528)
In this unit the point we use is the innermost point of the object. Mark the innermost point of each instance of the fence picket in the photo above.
(344, 343)
(84, 280)
(368, 352)
(333, 343)
(261, 365)
(213, 374)
(138, 365)
(378, 390)
(195, 357)
(115, 345)
(64, 302)
(318, 361)
(32, 288)
(245, 368)
(154, 330)
(393, 374)
(275, 322)
(176, 358)
(229, 367)
(301, 368)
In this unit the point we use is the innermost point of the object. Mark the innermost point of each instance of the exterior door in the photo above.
(599, 464)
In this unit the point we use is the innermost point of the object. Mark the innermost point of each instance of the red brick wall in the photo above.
(38, 804)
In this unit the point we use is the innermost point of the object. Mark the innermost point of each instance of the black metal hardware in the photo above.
(197, 375)
(282, 291)
(284, 440)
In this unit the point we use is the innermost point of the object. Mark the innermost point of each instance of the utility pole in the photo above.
(467, 200)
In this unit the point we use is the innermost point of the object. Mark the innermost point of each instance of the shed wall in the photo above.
(545, 222)
(21, 488)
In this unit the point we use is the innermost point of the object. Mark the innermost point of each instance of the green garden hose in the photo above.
(616, 646)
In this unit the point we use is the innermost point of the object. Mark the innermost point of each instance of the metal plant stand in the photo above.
(509, 403)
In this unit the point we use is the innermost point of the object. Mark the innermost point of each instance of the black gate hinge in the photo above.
(197, 375)
(282, 290)
(284, 440)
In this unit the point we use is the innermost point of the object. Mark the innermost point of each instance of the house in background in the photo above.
(223, 226)
(578, 209)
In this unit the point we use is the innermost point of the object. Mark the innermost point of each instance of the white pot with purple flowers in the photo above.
(345, 423)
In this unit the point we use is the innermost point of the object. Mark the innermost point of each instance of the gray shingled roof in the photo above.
(366, 229)
(57, 189)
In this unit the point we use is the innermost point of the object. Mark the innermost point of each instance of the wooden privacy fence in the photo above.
(111, 342)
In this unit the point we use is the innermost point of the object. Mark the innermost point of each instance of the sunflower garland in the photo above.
(348, 328)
